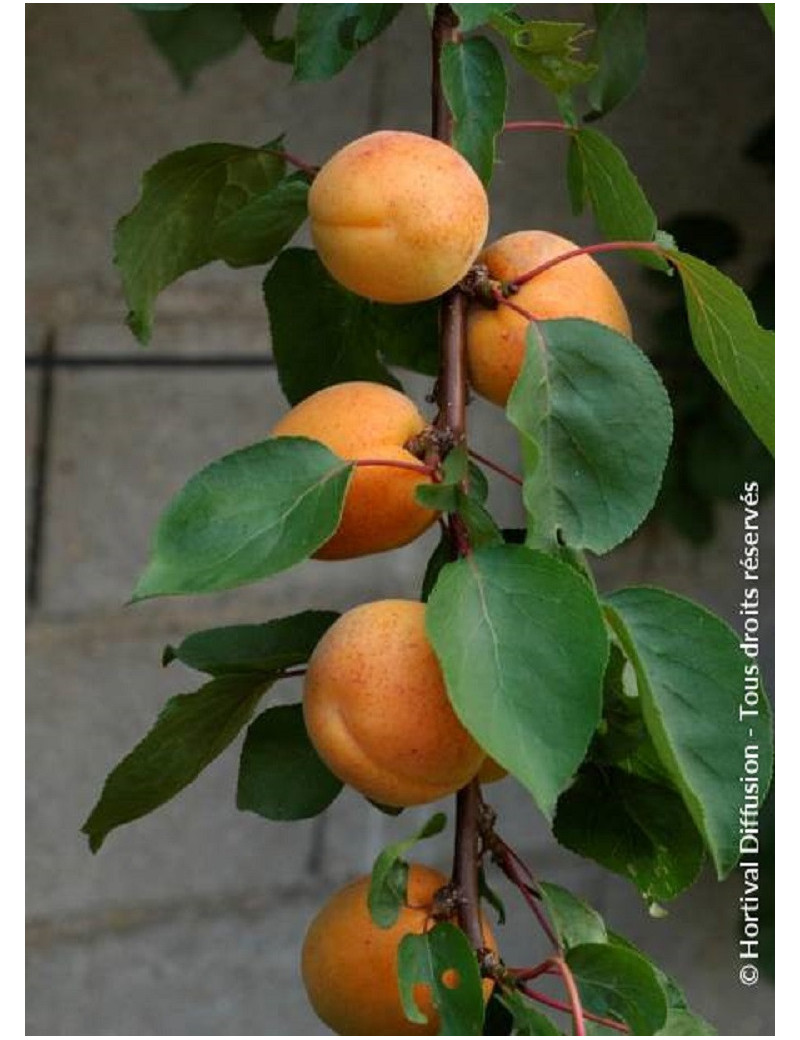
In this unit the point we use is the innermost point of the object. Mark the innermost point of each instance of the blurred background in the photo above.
(190, 921)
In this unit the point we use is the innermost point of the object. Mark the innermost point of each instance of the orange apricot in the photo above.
(377, 710)
(397, 217)
(362, 420)
(576, 288)
(349, 964)
(491, 771)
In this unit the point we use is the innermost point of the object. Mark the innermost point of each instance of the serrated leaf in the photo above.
(322, 334)
(735, 349)
(527, 1019)
(389, 878)
(598, 171)
(620, 50)
(427, 959)
(191, 36)
(473, 16)
(618, 983)
(592, 459)
(247, 516)
(634, 827)
(474, 84)
(575, 922)
(259, 20)
(549, 51)
(281, 776)
(254, 649)
(692, 677)
(191, 731)
(170, 230)
(523, 648)
(259, 230)
(328, 36)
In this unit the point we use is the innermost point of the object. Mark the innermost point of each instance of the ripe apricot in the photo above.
(377, 710)
(491, 771)
(397, 217)
(576, 288)
(349, 964)
(366, 421)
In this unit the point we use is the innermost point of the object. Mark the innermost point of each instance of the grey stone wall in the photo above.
(190, 921)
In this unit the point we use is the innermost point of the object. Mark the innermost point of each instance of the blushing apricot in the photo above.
(377, 710)
(366, 421)
(576, 288)
(349, 965)
(397, 217)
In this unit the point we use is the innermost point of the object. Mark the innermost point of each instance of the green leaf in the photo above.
(527, 1019)
(451, 498)
(281, 776)
(597, 171)
(768, 10)
(618, 983)
(191, 36)
(592, 465)
(191, 731)
(693, 678)
(254, 649)
(575, 922)
(547, 50)
(620, 50)
(523, 648)
(389, 879)
(726, 334)
(322, 334)
(245, 517)
(488, 894)
(681, 1022)
(474, 83)
(259, 20)
(473, 16)
(328, 36)
(257, 232)
(170, 230)
(424, 960)
(634, 827)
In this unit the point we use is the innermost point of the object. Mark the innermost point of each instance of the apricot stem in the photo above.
(559, 1005)
(598, 247)
(490, 464)
(537, 124)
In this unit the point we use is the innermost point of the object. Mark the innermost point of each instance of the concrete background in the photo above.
(189, 922)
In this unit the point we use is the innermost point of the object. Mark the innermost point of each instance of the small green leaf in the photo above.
(328, 36)
(473, 16)
(258, 231)
(768, 10)
(592, 464)
(426, 960)
(694, 682)
(191, 731)
(389, 880)
(549, 51)
(281, 776)
(618, 983)
(488, 894)
(191, 36)
(524, 677)
(575, 922)
(170, 229)
(259, 20)
(620, 50)
(726, 334)
(322, 334)
(634, 827)
(245, 517)
(474, 83)
(527, 1019)
(254, 649)
(598, 171)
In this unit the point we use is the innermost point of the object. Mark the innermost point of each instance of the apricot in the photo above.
(366, 421)
(491, 771)
(377, 710)
(349, 964)
(397, 217)
(576, 288)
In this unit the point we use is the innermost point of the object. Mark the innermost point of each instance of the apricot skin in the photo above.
(377, 710)
(349, 965)
(397, 217)
(366, 421)
(576, 288)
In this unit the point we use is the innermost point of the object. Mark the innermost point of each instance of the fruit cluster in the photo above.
(397, 217)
